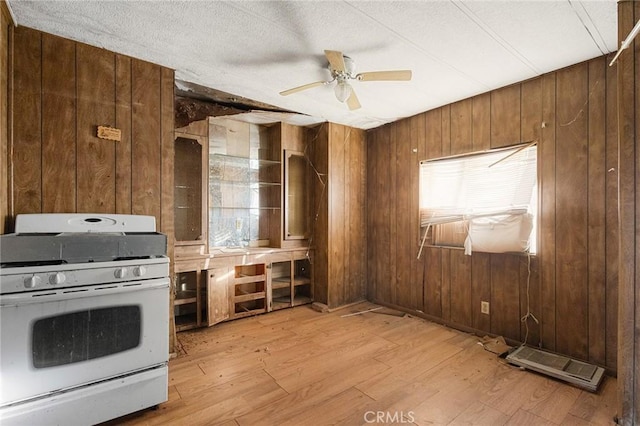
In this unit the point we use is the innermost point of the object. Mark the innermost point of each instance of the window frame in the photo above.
(533, 207)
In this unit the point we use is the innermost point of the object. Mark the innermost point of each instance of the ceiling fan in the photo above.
(342, 69)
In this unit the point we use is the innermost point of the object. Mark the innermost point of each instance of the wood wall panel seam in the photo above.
(628, 198)
(572, 210)
(5, 95)
(59, 115)
(596, 241)
(146, 136)
(611, 217)
(26, 143)
(96, 157)
(123, 119)
(547, 211)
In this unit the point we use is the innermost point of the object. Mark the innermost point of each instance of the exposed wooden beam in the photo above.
(188, 110)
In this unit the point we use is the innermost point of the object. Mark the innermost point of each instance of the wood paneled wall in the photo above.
(63, 90)
(338, 221)
(572, 287)
(6, 35)
(629, 171)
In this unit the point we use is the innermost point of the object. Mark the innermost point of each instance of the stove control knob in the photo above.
(120, 273)
(57, 278)
(32, 282)
(139, 271)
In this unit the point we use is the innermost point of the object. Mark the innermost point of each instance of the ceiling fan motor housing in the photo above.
(349, 69)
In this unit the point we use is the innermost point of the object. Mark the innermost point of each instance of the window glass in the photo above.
(486, 190)
(188, 190)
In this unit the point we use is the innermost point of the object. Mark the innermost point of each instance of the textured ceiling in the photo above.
(456, 49)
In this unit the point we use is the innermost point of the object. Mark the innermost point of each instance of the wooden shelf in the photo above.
(248, 290)
(242, 308)
(283, 282)
(249, 296)
(281, 302)
(301, 281)
(249, 279)
(184, 301)
(186, 322)
(245, 162)
(301, 300)
(248, 313)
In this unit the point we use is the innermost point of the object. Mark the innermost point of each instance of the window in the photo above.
(484, 202)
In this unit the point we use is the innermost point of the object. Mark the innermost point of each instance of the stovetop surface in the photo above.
(35, 278)
(79, 247)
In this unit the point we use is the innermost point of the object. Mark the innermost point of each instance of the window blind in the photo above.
(484, 184)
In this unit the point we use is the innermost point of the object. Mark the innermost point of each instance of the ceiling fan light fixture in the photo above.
(342, 69)
(342, 90)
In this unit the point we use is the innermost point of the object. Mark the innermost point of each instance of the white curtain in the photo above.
(484, 184)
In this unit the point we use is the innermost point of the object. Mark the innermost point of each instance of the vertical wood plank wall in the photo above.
(629, 171)
(573, 280)
(6, 44)
(62, 91)
(338, 221)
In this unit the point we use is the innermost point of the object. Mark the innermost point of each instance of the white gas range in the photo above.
(84, 318)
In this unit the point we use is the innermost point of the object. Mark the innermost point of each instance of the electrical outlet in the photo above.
(484, 307)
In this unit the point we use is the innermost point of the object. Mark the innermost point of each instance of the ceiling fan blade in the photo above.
(352, 101)
(399, 75)
(303, 87)
(336, 60)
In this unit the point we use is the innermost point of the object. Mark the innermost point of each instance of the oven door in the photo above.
(56, 340)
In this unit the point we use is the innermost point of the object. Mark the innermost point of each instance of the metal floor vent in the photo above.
(579, 373)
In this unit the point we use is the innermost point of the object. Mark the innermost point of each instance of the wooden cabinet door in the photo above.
(218, 295)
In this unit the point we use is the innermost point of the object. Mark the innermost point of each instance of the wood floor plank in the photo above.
(252, 385)
(571, 420)
(432, 372)
(525, 418)
(324, 366)
(511, 391)
(184, 373)
(479, 370)
(430, 343)
(299, 366)
(335, 410)
(597, 408)
(480, 414)
(444, 407)
(395, 407)
(224, 410)
(312, 395)
(557, 405)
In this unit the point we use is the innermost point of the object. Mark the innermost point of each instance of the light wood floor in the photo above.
(299, 366)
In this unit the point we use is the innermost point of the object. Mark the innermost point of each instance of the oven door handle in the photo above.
(71, 293)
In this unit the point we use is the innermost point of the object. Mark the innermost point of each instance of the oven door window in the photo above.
(84, 335)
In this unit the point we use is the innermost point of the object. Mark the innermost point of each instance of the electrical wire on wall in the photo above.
(583, 108)
(529, 314)
(322, 179)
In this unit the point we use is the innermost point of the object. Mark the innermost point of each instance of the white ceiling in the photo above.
(455, 48)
